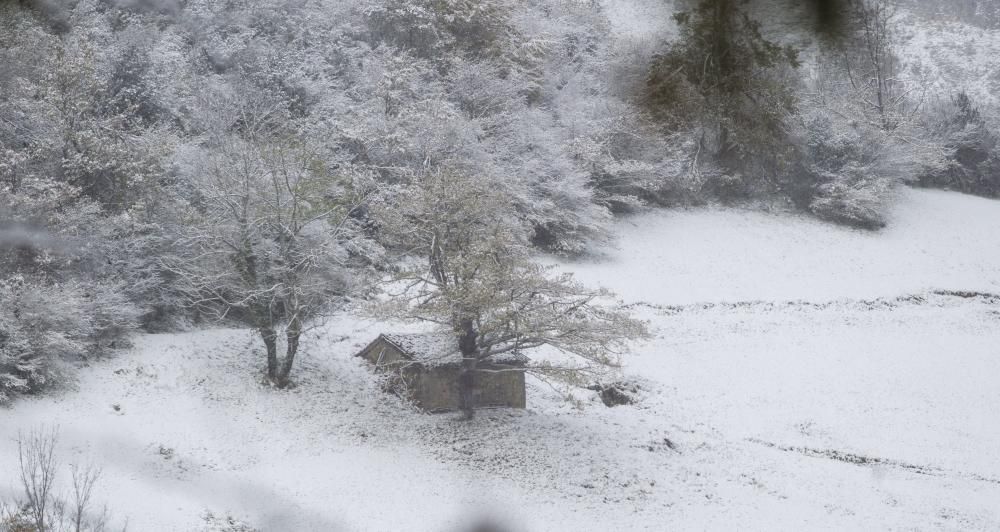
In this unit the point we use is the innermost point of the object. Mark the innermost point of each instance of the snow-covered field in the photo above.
(934, 241)
(803, 376)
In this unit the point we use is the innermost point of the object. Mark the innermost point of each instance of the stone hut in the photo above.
(426, 367)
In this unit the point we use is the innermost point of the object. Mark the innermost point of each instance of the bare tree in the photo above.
(872, 66)
(477, 279)
(37, 461)
(84, 479)
(43, 509)
(268, 243)
(873, 137)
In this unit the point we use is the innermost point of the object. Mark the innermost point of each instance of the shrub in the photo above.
(848, 168)
(617, 393)
(15, 520)
(974, 157)
(44, 326)
(851, 200)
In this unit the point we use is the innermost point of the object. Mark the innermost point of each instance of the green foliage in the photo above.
(723, 76)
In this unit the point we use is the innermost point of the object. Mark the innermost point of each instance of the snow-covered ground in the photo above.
(640, 19)
(934, 241)
(803, 376)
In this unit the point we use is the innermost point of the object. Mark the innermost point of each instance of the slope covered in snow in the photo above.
(934, 241)
(802, 376)
(953, 56)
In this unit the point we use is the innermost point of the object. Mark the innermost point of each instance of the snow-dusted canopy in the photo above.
(441, 348)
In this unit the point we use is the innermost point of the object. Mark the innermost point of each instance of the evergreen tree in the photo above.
(726, 79)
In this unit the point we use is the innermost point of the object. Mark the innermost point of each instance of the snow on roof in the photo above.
(427, 348)
(441, 348)
(510, 358)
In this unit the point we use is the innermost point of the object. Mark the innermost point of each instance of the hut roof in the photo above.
(441, 348)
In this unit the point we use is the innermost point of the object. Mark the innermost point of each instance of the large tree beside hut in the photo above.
(473, 274)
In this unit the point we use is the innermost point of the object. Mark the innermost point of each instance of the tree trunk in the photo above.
(271, 344)
(292, 335)
(467, 344)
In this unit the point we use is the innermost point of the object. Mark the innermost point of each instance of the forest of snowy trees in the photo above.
(167, 164)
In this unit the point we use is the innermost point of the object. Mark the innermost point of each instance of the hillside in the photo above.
(708, 207)
(933, 241)
(953, 55)
(783, 390)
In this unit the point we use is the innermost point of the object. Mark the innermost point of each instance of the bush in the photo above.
(854, 202)
(135, 254)
(848, 169)
(71, 277)
(974, 157)
(617, 393)
(46, 326)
